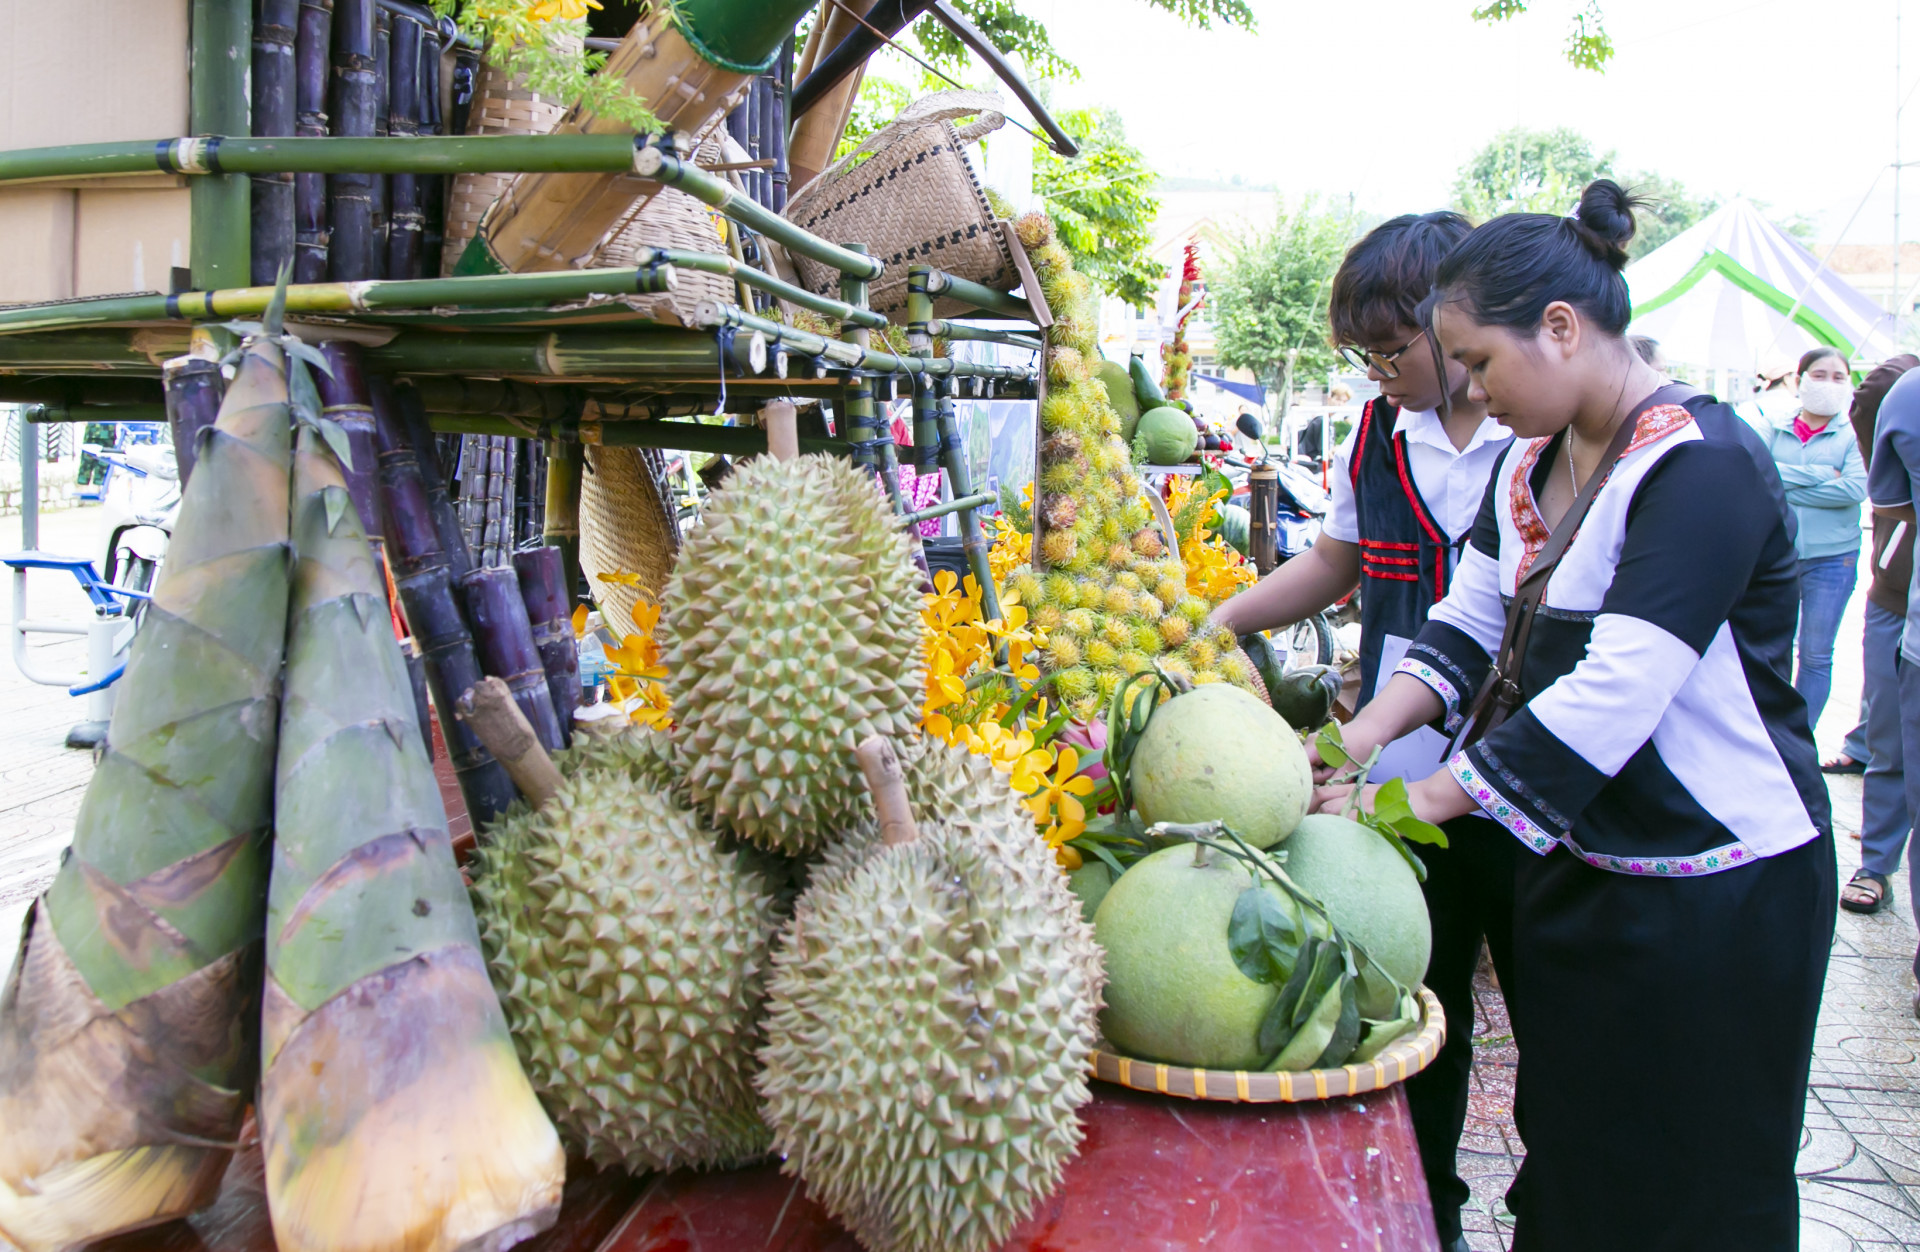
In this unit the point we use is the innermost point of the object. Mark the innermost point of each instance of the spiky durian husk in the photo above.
(791, 633)
(630, 954)
(931, 1013)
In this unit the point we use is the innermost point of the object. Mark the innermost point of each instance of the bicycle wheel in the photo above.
(1309, 641)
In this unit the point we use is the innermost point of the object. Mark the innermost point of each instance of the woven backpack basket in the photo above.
(501, 106)
(911, 195)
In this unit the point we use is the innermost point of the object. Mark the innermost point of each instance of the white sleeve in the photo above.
(1474, 606)
(1343, 516)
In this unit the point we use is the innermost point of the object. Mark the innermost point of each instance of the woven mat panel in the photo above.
(501, 106)
(626, 527)
(672, 219)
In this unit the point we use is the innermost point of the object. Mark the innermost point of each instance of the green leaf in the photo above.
(1413, 830)
(1332, 750)
(336, 440)
(1390, 803)
(1346, 1031)
(1277, 1027)
(302, 351)
(302, 395)
(1264, 936)
(336, 500)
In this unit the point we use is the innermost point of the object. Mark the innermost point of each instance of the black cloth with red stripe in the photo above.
(1406, 558)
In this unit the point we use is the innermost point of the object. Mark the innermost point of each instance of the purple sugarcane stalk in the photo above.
(194, 388)
(351, 255)
(312, 50)
(403, 119)
(446, 518)
(440, 632)
(274, 113)
(543, 585)
(347, 401)
(503, 635)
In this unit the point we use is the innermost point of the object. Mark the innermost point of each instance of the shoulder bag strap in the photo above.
(1500, 694)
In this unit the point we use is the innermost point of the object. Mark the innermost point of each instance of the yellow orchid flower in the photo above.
(563, 10)
(1059, 796)
(580, 622)
(944, 687)
(623, 579)
(638, 657)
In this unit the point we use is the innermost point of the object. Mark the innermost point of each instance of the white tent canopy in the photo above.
(1735, 292)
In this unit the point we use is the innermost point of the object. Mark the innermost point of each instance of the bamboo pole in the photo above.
(848, 355)
(95, 351)
(212, 155)
(374, 295)
(312, 56)
(814, 134)
(943, 284)
(717, 193)
(106, 414)
(946, 507)
(392, 1109)
(565, 466)
(549, 600)
(350, 247)
(274, 113)
(217, 248)
(953, 451)
(691, 61)
(736, 441)
(499, 723)
(568, 354)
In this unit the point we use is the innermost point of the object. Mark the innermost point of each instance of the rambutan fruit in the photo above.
(1058, 547)
(1175, 630)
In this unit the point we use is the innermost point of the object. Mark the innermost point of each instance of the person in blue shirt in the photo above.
(1826, 479)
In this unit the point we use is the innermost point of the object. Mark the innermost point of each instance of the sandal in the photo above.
(1864, 893)
(1843, 764)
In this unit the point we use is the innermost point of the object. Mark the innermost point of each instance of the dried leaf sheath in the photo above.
(127, 1030)
(393, 1111)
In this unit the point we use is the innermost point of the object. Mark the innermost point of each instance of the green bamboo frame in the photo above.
(218, 154)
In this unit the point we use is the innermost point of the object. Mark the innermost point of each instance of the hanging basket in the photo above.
(501, 106)
(1402, 1059)
(911, 195)
(626, 527)
(672, 219)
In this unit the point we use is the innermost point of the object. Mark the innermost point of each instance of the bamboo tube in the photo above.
(347, 402)
(312, 52)
(405, 221)
(489, 707)
(194, 390)
(691, 61)
(783, 431)
(782, 114)
(718, 193)
(127, 1026)
(584, 354)
(888, 786)
(953, 453)
(199, 156)
(544, 588)
(503, 635)
(350, 205)
(816, 132)
(393, 1112)
(274, 114)
(561, 524)
(218, 213)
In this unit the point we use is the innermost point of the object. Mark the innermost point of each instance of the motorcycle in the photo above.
(140, 501)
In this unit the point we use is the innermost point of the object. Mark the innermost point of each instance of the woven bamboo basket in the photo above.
(626, 527)
(1402, 1059)
(911, 194)
(672, 219)
(501, 106)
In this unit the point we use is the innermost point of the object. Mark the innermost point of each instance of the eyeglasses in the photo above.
(1385, 363)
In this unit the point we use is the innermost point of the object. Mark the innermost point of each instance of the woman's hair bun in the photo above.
(1605, 220)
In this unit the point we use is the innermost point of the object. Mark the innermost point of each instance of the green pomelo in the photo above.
(1119, 384)
(1090, 883)
(1219, 754)
(1372, 895)
(1165, 436)
(1173, 991)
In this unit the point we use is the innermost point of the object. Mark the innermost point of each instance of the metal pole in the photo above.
(1899, 104)
(29, 483)
(219, 249)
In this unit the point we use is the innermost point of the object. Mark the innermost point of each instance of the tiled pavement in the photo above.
(1860, 1164)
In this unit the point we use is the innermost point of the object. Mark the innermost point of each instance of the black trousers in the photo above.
(1666, 1033)
(1469, 891)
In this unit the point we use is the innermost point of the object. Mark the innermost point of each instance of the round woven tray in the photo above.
(1404, 1058)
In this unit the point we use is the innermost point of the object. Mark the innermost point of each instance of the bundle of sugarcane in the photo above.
(393, 1111)
(692, 61)
(127, 1041)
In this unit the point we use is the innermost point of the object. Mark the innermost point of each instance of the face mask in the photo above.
(1821, 399)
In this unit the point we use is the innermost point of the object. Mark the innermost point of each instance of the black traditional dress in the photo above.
(1671, 926)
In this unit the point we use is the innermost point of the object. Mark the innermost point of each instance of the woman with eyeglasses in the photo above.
(1613, 659)
(1406, 488)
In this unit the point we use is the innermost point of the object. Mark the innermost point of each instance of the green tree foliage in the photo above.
(1014, 32)
(1543, 171)
(1268, 292)
(1103, 203)
(1588, 45)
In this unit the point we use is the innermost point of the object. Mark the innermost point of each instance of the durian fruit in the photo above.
(630, 954)
(791, 633)
(931, 1013)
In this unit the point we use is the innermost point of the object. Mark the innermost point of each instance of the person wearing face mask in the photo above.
(1612, 661)
(1826, 479)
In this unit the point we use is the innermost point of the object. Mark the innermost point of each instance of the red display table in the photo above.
(1156, 1174)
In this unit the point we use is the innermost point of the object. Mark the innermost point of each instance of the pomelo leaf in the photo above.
(1264, 936)
(1346, 1031)
(1277, 1028)
(1332, 751)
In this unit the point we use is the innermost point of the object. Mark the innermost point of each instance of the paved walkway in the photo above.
(1860, 1165)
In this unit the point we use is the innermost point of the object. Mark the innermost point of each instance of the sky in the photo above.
(1791, 104)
